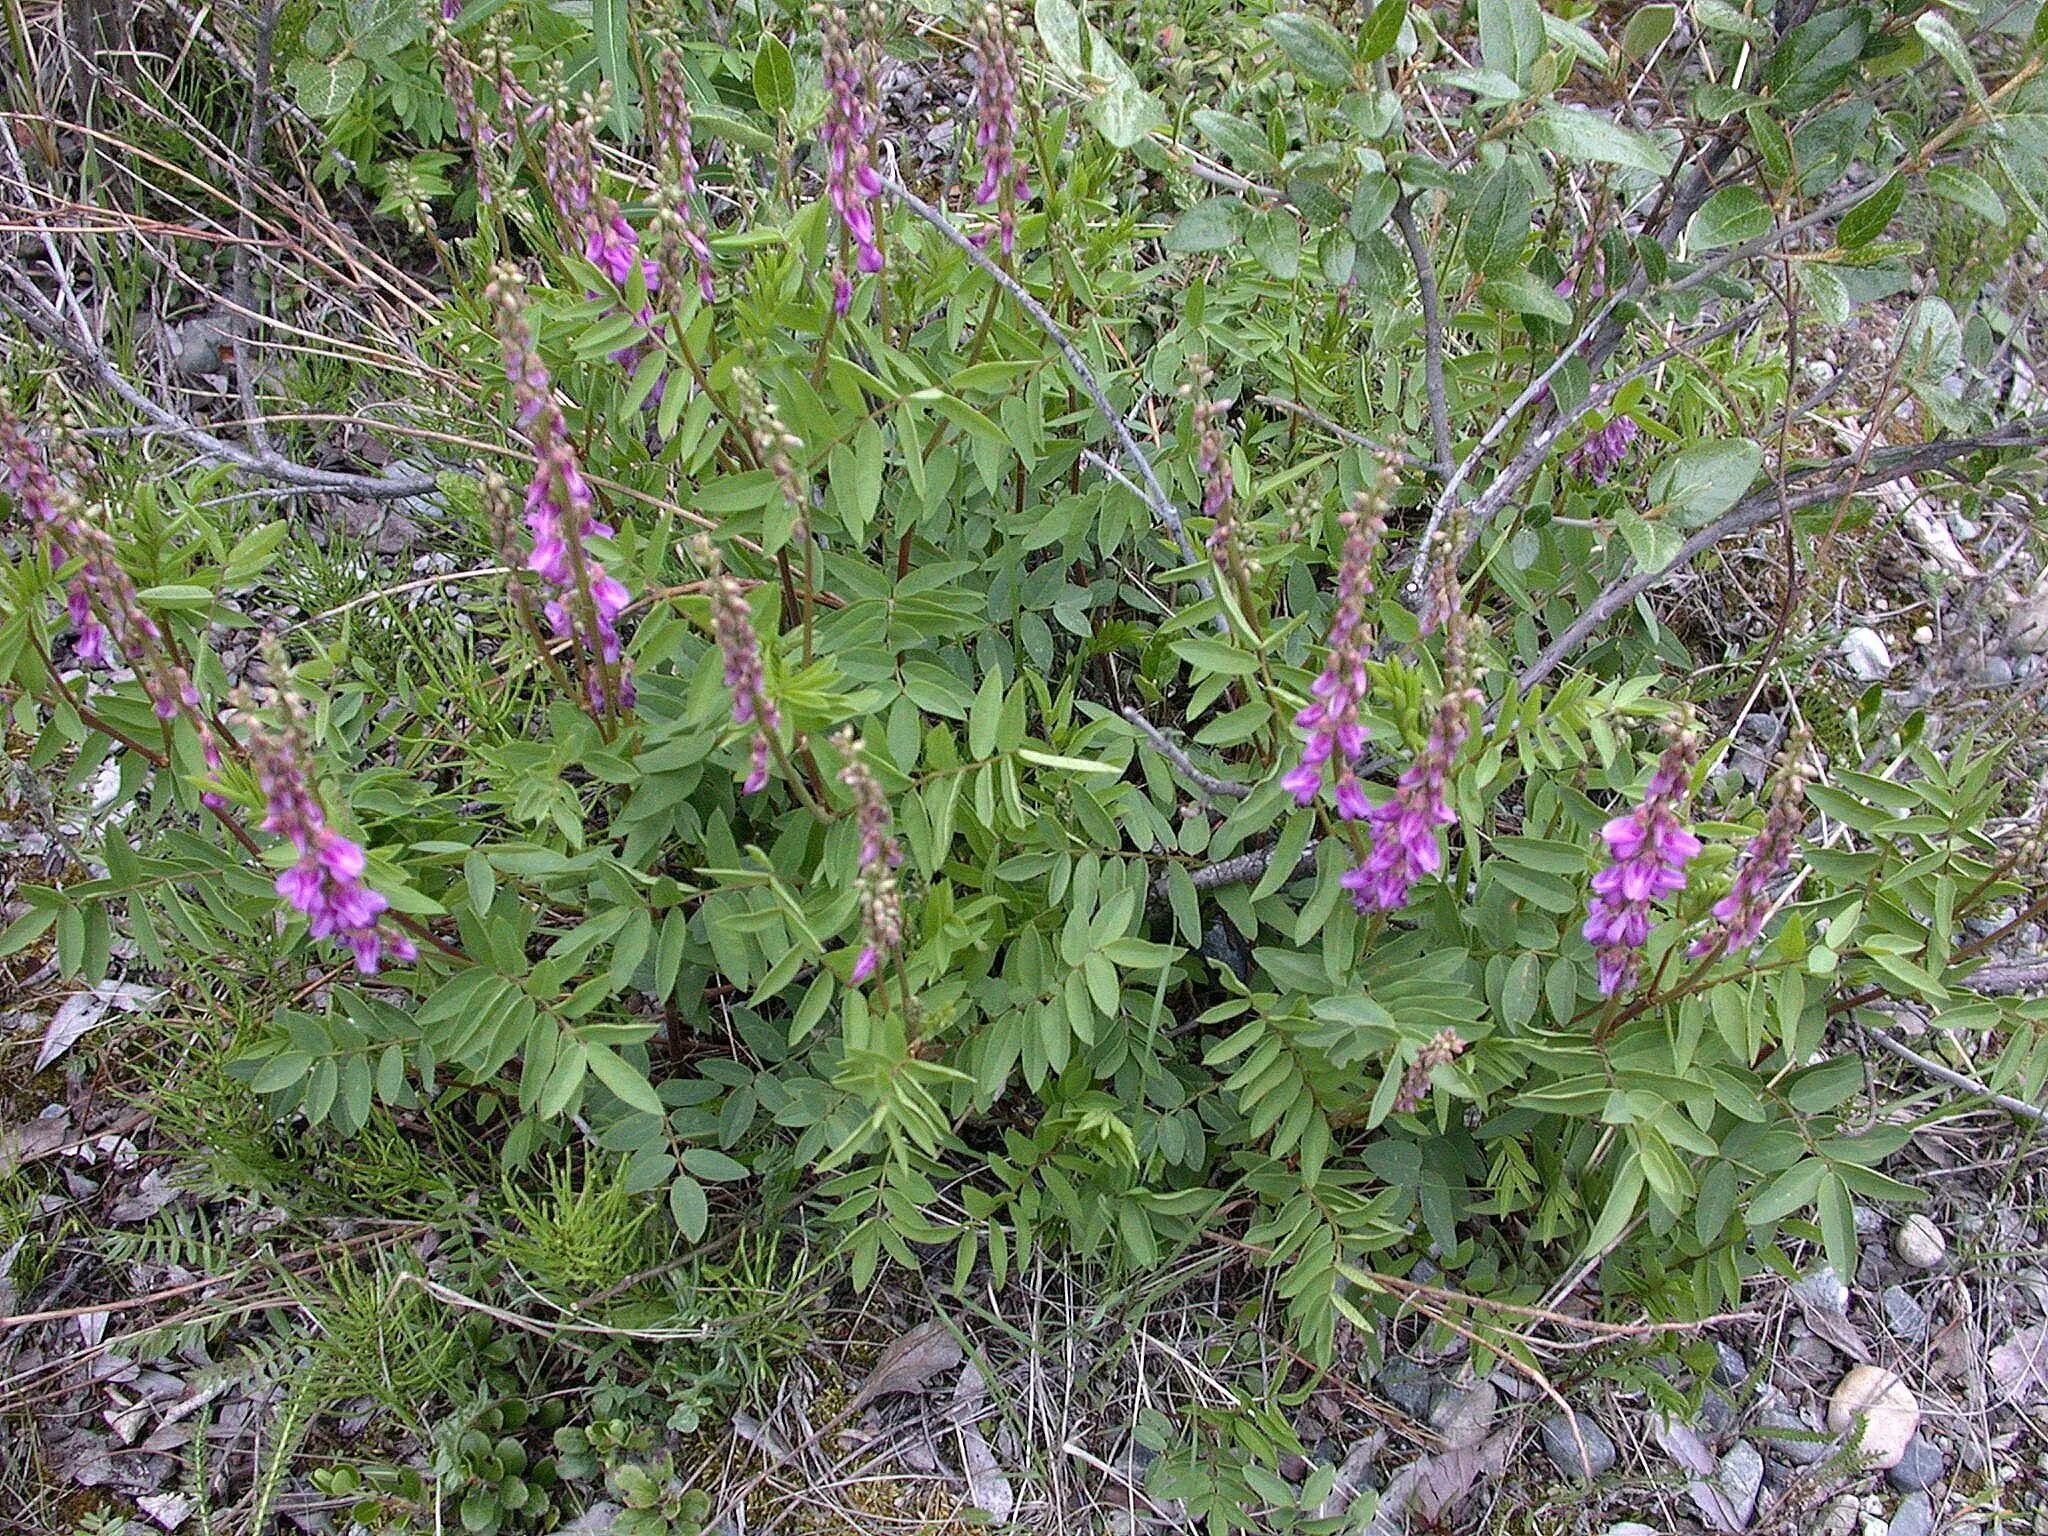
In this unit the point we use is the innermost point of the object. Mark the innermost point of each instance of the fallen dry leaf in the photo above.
(1836, 1330)
(987, 1487)
(79, 1012)
(1682, 1444)
(911, 1361)
(38, 1139)
(2020, 1365)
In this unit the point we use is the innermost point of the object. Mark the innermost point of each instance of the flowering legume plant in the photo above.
(878, 792)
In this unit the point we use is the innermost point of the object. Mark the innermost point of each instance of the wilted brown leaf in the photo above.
(1836, 1330)
(911, 1361)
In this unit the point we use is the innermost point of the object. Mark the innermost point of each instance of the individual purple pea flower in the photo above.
(851, 181)
(586, 601)
(1602, 452)
(739, 648)
(1648, 850)
(1403, 828)
(326, 883)
(1003, 181)
(1336, 733)
(1739, 915)
(881, 905)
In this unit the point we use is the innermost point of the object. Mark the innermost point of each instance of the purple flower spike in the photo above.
(585, 601)
(1739, 915)
(881, 905)
(1332, 717)
(1404, 846)
(1003, 181)
(109, 622)
(851, 181)
(1648, 850)
(1601, 454)
(732, 626)
(326, 884)
(683, 227)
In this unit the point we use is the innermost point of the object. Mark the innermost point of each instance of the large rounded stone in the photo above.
(1887, 1409)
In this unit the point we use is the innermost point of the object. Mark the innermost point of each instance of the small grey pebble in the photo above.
(1823, 1289)
(1995, 673)
(1730, 1369)
(1408, 1387)
(1226, 946)
(1741, 1477)
(1914, 1517)
(1791, 1439)
(1904, 1315)
(1718, 1416)
(1461, 1415)
(1811, 1355)
(1563, 1451)
(1632, 1528)
(1869, 1219)
(1921, 1466)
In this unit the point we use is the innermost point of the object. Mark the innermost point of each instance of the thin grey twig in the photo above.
(1956, 1079)
(1594, 341)
(1203, 780)
(1432, 333)
(271, 465)
(1155, 495)
(1336, 429)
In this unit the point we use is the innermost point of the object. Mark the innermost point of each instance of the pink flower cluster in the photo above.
(1740, 914)
(568, 148)
(851, 181)
(586, 600)
(1336, 733)
(1602, 452)
(1648, 851)
(326, 884)
(1219, 488)
(680, 222)
(1003, 181)
(881, 906)
(1404, 846)
(459, 76)
(732, 626)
